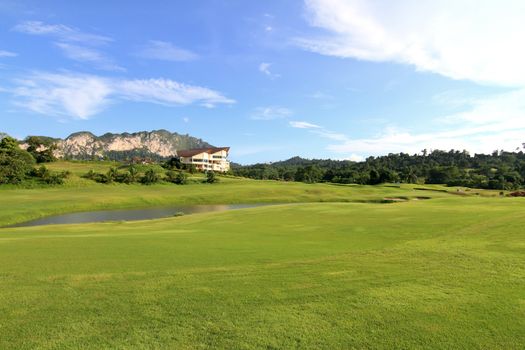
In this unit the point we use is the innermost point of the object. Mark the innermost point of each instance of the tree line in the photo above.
(499, 170)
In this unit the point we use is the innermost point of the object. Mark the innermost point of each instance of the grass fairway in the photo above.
(78, 194)
(442, 273)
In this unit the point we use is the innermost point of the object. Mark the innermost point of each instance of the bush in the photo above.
(177, 177)
(128, 177)
(90, 175)
(111, 175)
(211, 178)
(54, 179)
(41, 172)
(150, 177)
(48, 177)
(173, 163)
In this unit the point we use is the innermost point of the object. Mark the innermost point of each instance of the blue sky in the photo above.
(341, 79)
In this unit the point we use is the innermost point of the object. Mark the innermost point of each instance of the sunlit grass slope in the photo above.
(446, 273)
(78, 194)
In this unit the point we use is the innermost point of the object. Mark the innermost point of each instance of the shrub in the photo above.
(181, 179)
(111, 175)
(177, 177)
(150, 177)
(91, 175)
(211, 178)
(54, 179)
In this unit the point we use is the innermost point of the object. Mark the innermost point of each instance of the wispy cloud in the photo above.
(303, 125)
(485, 124)
(451, 38)
(70, 95)
(265, 69)
(169, 92)
(75, 44)
(271, 113)
(89, 55)
(166, 51)
(489, 123)
(61, 32)
(4, 53)
(318, 130)
(81, 96)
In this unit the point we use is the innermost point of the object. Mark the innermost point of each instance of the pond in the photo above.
(132, 214)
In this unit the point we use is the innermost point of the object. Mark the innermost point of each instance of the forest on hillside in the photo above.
(499, 170)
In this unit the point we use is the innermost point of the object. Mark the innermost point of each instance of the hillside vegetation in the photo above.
(499, 170)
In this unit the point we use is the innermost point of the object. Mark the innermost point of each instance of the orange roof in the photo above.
(195, 151)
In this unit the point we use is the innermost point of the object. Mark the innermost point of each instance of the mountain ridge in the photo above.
(155, 144)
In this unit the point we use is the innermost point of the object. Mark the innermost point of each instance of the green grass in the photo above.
(78, 194)
(443, 273)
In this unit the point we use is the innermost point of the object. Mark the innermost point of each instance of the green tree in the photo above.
(131, 176)
(15, 163)
(111, 175)
(150, 177)
(41, 149)
(177, 177)
(374, 177)
(210, 177)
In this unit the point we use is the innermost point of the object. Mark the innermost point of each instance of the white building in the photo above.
(213, 158)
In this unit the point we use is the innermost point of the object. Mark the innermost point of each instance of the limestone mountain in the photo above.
(157, 144)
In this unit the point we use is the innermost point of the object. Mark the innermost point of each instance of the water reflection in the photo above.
(132, 214)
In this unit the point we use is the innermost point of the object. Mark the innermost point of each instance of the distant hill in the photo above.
(299, 162)
(157, 144)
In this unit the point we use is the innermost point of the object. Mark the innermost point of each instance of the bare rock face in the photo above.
(155, 144)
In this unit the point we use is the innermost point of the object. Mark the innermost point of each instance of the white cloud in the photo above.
(491, 123)
(4, 53)
(271, 113)
(76, 45)
(265, 69)
(479, 41)
(303, 125)
(186, 119)
(89, 55)
(355, 158)
(166, 51)
(81, 96)
(78, 96)
(61, 32)
(318, 130)
(467, 40)
(170, 92)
